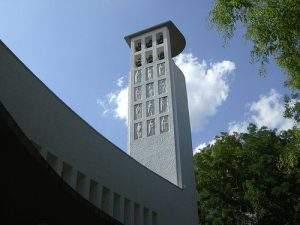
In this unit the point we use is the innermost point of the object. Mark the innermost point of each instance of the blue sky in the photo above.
(77, 49)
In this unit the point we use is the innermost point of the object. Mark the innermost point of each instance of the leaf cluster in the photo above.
(292, 106)
(250, 178)
(272, 25)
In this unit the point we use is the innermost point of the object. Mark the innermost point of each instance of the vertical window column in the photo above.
(106, 201)
(83, 185)
(117, 206)
(137, 215)
(94, 195)
(69, 174)
(122, 205)
(146, 217)
(128, 212)
(54, 162)
(59, 167)
(100, 191)
(154, 218)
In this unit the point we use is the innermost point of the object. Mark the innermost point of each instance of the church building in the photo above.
(58, 170)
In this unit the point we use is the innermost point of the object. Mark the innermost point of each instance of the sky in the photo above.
(77, 49)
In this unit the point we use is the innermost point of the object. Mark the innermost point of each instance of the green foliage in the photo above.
(272, 25)
(292, 106)
(250, 178)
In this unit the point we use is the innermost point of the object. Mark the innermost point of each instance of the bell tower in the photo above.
(159, 126)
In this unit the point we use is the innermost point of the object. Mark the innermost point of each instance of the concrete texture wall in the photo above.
(167, 154)
(57, 129)
(183, 135)
(156, 152)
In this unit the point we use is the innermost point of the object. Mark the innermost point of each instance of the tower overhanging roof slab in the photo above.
(176, 37)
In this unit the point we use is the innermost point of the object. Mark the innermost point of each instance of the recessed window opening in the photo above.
(127, 213)
(137, 45)
(148, 42)
(149, 73)
(137, 215)
(138, 60)
(105, 202)
(149, 57)
(117, 206)
(146, 216)
(154, 218)
(93, 195)
(80, 183)
(160, 53)
(52, 160)
(67, 173)
(159, 38)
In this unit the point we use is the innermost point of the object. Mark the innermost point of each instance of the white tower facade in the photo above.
(159, 126)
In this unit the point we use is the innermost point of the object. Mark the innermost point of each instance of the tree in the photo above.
(272, 25)
(250, 178)
(292, 106)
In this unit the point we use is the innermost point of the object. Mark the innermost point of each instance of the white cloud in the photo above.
(116, 102)
(203, 145)
(207, 87)
(239, 127)
(267, 111)
(120, 82)
(121, 101)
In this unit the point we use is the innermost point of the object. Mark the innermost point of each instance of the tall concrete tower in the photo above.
(159, 125)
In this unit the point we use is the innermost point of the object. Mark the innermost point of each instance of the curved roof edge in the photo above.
(176, 37)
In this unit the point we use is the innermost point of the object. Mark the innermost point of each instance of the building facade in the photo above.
(114, 182)
(159, 126)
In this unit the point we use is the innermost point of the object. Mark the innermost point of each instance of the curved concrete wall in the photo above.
(64, 137)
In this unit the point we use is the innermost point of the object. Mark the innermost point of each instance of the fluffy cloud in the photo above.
(120, 82)
(239, 127)
(207, 87)
(266, 111)
(203, 145)
(116, 103)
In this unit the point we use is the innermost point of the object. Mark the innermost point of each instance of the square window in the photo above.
(150, 127)
(137, 93)
(137, 76)
(163, 104)
(149, 57)
(137, 45)
(150, 108)
(161, 69)
(149, 73)
(164, 124)
(138, 60)
(138, 111)
(159, 38)
(148, 42)
(149, 90)
(162, 86)
(160, 53)
(138, 130)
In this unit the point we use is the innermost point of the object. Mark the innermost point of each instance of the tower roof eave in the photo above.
(176, 37)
